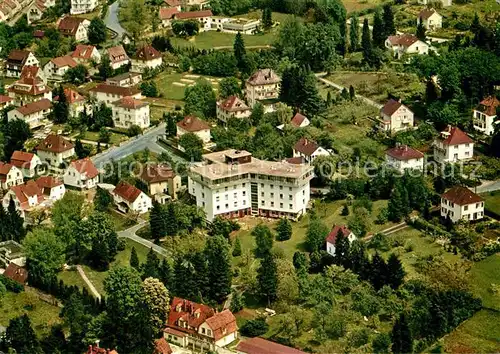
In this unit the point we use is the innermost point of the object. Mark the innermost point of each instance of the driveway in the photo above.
(130, 233)
(111, 19)
(485, 187)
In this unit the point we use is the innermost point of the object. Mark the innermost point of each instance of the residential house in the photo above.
(308, 149)
(166, 15)
(332, 237)
(484, 117)
(401, 44)
(16, 61)
(430, 19)
(81, 174)
(403, 157)
(162, 346)
(191, 324)
(191, 124)
(130, 199)
(12, 252)
(264, 87)
(453, 145)
(163, 183)
(232, 107)
(129, 111)
(196, 3)
(34, 113)
(52, 187)
(204, 17)
(74, 27)
(173, 3)
(75, 100)
(54, 150)
(235, 25)
(31, 87)
(108, 94)
(298, 121)
(258, 345)
(86, 55)
(146, 57)
(95, 349)
(25, 196)
(57, 67)
(118, 57)
(460, 203)
(9, 9)
(233, 184)
(10, 175)
(37, 9)
(29, 163)
(32, 71)
(395, 116)
(5, 101)
(83, 6)
(125, 80)
(16, 273)
(445, 3)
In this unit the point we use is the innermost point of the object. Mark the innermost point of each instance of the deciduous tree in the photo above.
(229, 86)
(157, 300)
(402, 340)
(263, 238)
(316, 235)
(97, 31)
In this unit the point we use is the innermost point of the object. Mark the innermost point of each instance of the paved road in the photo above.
(131, 234)
(488, 186)
(91, 286)
(111, 19)
(340, 88)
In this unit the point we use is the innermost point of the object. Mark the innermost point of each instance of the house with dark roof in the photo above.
(406, 44)
(54, 151)
(129, 111)
(16, 61)
(118, 56)
(264, 87)
(259, 345)
(484, 116)
(29, 163)
(204, 17)
(25, 196)
(10, 175)
(430, 19)
(52, 187)
(162, 181)
(16, 273)
(308, 149)
(453, 145)
(57, 67)
(166, 15)
(190, 323)
(75, 27)
(31, 86)
(81, 174)
(232, 107)
(395, 116)
(403, 157)
(460, 203)
(34, 113)
(146, 57)
(108, 94)
(192, 124)
(129, 198)
(125, 80)
(86, 54)
(331, 239)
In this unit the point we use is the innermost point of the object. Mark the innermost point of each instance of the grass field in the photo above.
(484, 274)
(222, 40)
(358, 5)
(116, 139)
(172, 85)
(492, 202)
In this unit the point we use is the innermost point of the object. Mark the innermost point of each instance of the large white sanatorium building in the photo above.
(232, 183)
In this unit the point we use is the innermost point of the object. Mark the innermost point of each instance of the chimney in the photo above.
(399, 100)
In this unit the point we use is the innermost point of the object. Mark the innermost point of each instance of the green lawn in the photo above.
(172, 86)
(116, 139)
(120, 221)
(42, 314)
(214, 39)
(71, 277)
(492, 202)
(484, 275)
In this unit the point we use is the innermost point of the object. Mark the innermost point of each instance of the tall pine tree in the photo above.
(378, 30)
(267, 20)
(388, 19)
(402, 340)
(395, 271)
(61, 107)
(354, 33)
(240, 53)
(151, 267)
(219, 268)
(366, 42)
(341, 250)
(157, 221)
(267, 277)
(15, 223)
(20, 335)
(421, 31)
(134, 260)
(379, 274)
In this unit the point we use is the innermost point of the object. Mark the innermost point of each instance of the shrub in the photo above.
(379, 242)
(134, 130)
(254, 328)
(11, 285)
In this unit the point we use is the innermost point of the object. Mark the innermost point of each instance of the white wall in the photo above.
(451, 153)
(75, 179)
(13, 178)
(483, 122)
(204, 135)
(125, 117)
(474, 211)
(55, 159)
(401, 165)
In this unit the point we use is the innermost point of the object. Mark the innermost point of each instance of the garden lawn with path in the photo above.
(214, 39)
(171, 86)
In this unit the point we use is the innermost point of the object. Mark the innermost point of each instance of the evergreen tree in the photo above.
(166, 273)
(421, 31)
(134, 259)
(284, 230)
(237, 247)
(366, 38)
(352, 93)
(236, 302)
(316, 234)
(378, 30)
(157, 221)
(354, 33)
(170, 220)
(60, 110)
(267, 20)
(20, 335)
(358, 260)
(345, 210)
(102, 200)
(219, 268)
(379, 274)
(257, 114)
(152, 265)
(267, 277)
(388, 20)
(396, 208)
(402, 340)
(81, 151)
(171, 128)
(105, 69)
(431, 92)
(264, 239)
(15, 223)
(342, 246)
(395, 271)
(240, 53)
(299, 90)
(475, 26)
(97, 31)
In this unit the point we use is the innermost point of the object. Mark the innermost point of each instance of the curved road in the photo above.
(111, 19)
(130, 234)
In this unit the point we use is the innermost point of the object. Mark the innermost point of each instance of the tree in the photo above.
(316, 235)
(15, 223)
(236, 302)
(134, 259)
(76, 75)
(240, 53)
(80, 150)
(402, 340)
(67, 214)
(342, 246)
(398, 206)
(192, 146)
(366, 38)
(219, 268)
(381, 344)
(263, 239)
(150, 269)
(171, 128)
(102, 200)
(15, 133)
(267, 277)
(379, 274)
(421, 31)
(378, 30)
(157, 221)
(257, 114)
(388, 20)
(354, 33)
(255, 328)
(135, 16)
(345, 210)
(284, 230)
(60, 108)
(200, 99)
(97, 31)
(395, 271)
(267, 18)
(229, 86)
(237, 247)
(20, 335)
(352, 93)
(157, 301)
(105, 68)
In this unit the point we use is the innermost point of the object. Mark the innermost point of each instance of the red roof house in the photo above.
(130, 198)
(404, 152)
(82, 174)
(259, 345)
(16, 273)
(193, 14)
(461, 196)
(299, 120)
(454, 136)
(332, 237)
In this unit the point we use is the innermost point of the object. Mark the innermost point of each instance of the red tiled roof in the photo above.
(166, 13)
(94, 349)
(489, 106)
(233, 104)
(4, 99)
(332, 236)
(127, 191)
(130, 103)
(16, 273)
(24, 191)
(391, 107)
(18, 56)
(116, 90)
(162, 346)
(36, 87)
(461, 196)
(296, 160)
(72, 96)
(38, 34)
(54, 143)
(33, 107)
(264, 77)
(69, 25)
(426, 13)
(298, 119)
(40, 5)
(21, 159)
(48, 182)
(147, 53)
(175, 332)
(454, 136)
(30, 72)
(157, 173)
(117, 54)
(192, 124)
(222, 324)
(404, 40)
(263, 346)
(83, 51)
(173, 2)
(404, 152)
(66, 60)
(190, 312)
(85, 167)
(4, 169)
(193, 14)
(306, 146)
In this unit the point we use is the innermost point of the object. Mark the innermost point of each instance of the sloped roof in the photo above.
(83, 51)
(66, 60)
(130, 103)
(172, 2)
(404, 152)
(192, 124)
(233, 104)
(21, 159)
(404, 40)
(222, 324)
(306, 146)
(298, 119)
(24, 191)
(5, 168)
(461, 196)
(193, 14)
(192, 313)
(162, 346)
(127, 191)
(391, 107)
(147, 53)
(18, 56)
(30, 72)
(489, 106)
(69, 25)
(117, 54)
(454, 136)
(16, 273)
(48, 182)
(72, 96)
(332, 236)
(426, 13)
(259, 345)
(299, 160)
(264, 77)
(166, 13)
(34, 107)
(85, 167)
(157, 173)
(116, 90)
(55, 143)
(5, 99)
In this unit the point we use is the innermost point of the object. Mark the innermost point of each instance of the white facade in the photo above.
(141, 65)
(29, 168)
(140, 205)
(433, 22)
(445, 3)
(12, 178)
(330, 247)
(310, 158)
(14, 70)
(55, 159)
(109, 97)
(203, 134)
(473, 211)
(56, 192)
(394, 121)
(82, 6)
(34, 119)
(484, 123)
(125, 117)
(73, 178)
(403, 164)
(453, 153)
(54, 72)
(417, 48)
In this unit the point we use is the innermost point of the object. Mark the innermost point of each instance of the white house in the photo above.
(453, 145)
(445, 3)
(191, 124)
(298, 121)
(263, 86)
(27, 162)
(54, 150)
(204, 17)
(129, 198)
(16, 61)
(232, 107)
(86, 54)
(146, 57)
(25, 196)
(128, 111)
(430, 19)
(332, 237)
(484, 117)
(118, 57)
(308, 149)
(83, 6)
(81, 174)
(403, 157)
(31, 87)
(34, 113)
(10, 175)
(108, 94)
(74, 27)
(75, 100)
(5, 101)
(125, 80)
(460, 203)
(52, 188)
(166, 15)
(395, 116)
(401, 44)
(57, 67)
(233, 184)
(36, 11)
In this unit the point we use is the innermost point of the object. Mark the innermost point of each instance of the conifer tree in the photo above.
(345, 210)
(236, 302)
(171, 128)
(341, 249)
(267, 21)
(284, 230)
(15, 223)
(165, 273)
(359, 260)
(354, 33)
(237, 247)
(421, 31)
(352, 93)
(20, 335)
(151, 267)
(388, 20)
(378, 30)
(402, 340)
(170, 220)
(61, 107)
(263, 238)
(476, 24)
(431, 92)
(157, 221)
(378, 276)
(240, 53)
(134, 259)
(267, 277)
(395, 208)
(219, 268)
(366, 42)
(395, 271)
